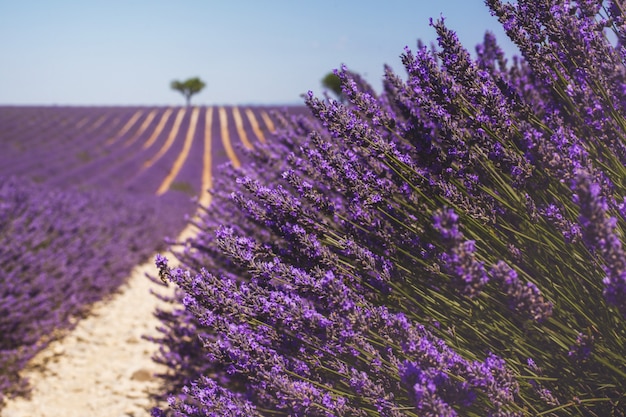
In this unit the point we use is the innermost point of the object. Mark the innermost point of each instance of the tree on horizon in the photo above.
(188, 87)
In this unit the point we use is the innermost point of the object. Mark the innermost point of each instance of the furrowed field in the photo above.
(87, 193)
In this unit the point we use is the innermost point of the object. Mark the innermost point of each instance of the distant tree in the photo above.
(189, 87)
(333, 83)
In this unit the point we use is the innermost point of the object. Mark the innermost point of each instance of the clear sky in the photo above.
(126, 52)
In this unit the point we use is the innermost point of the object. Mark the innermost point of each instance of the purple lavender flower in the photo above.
(459, 257)
(583, 347)
(523, 298)
(212, 400)
(599, 234)
(570, 230)
(446, 223)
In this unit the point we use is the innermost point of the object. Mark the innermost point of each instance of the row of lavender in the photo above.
(123, 147)
(61, 250)
(450, 247)
(79, 200)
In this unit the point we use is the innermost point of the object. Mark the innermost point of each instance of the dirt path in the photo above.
(103, 368)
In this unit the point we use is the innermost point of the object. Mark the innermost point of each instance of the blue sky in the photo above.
(126, 52)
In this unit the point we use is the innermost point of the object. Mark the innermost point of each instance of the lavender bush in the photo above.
(451, 246)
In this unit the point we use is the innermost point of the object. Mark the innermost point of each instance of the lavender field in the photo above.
(86, 194)
(452, 245)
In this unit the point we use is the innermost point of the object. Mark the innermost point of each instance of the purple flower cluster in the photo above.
(600, 235)
(405, 253)
(523, 298)
(296, 358)
(459, 259)
(583, 347)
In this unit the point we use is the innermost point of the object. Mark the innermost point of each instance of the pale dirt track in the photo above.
(103, 368)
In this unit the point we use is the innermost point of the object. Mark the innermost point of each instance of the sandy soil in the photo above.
(103, 368)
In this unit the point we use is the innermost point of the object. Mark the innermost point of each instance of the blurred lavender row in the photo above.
(61, 251)
(120, 147)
